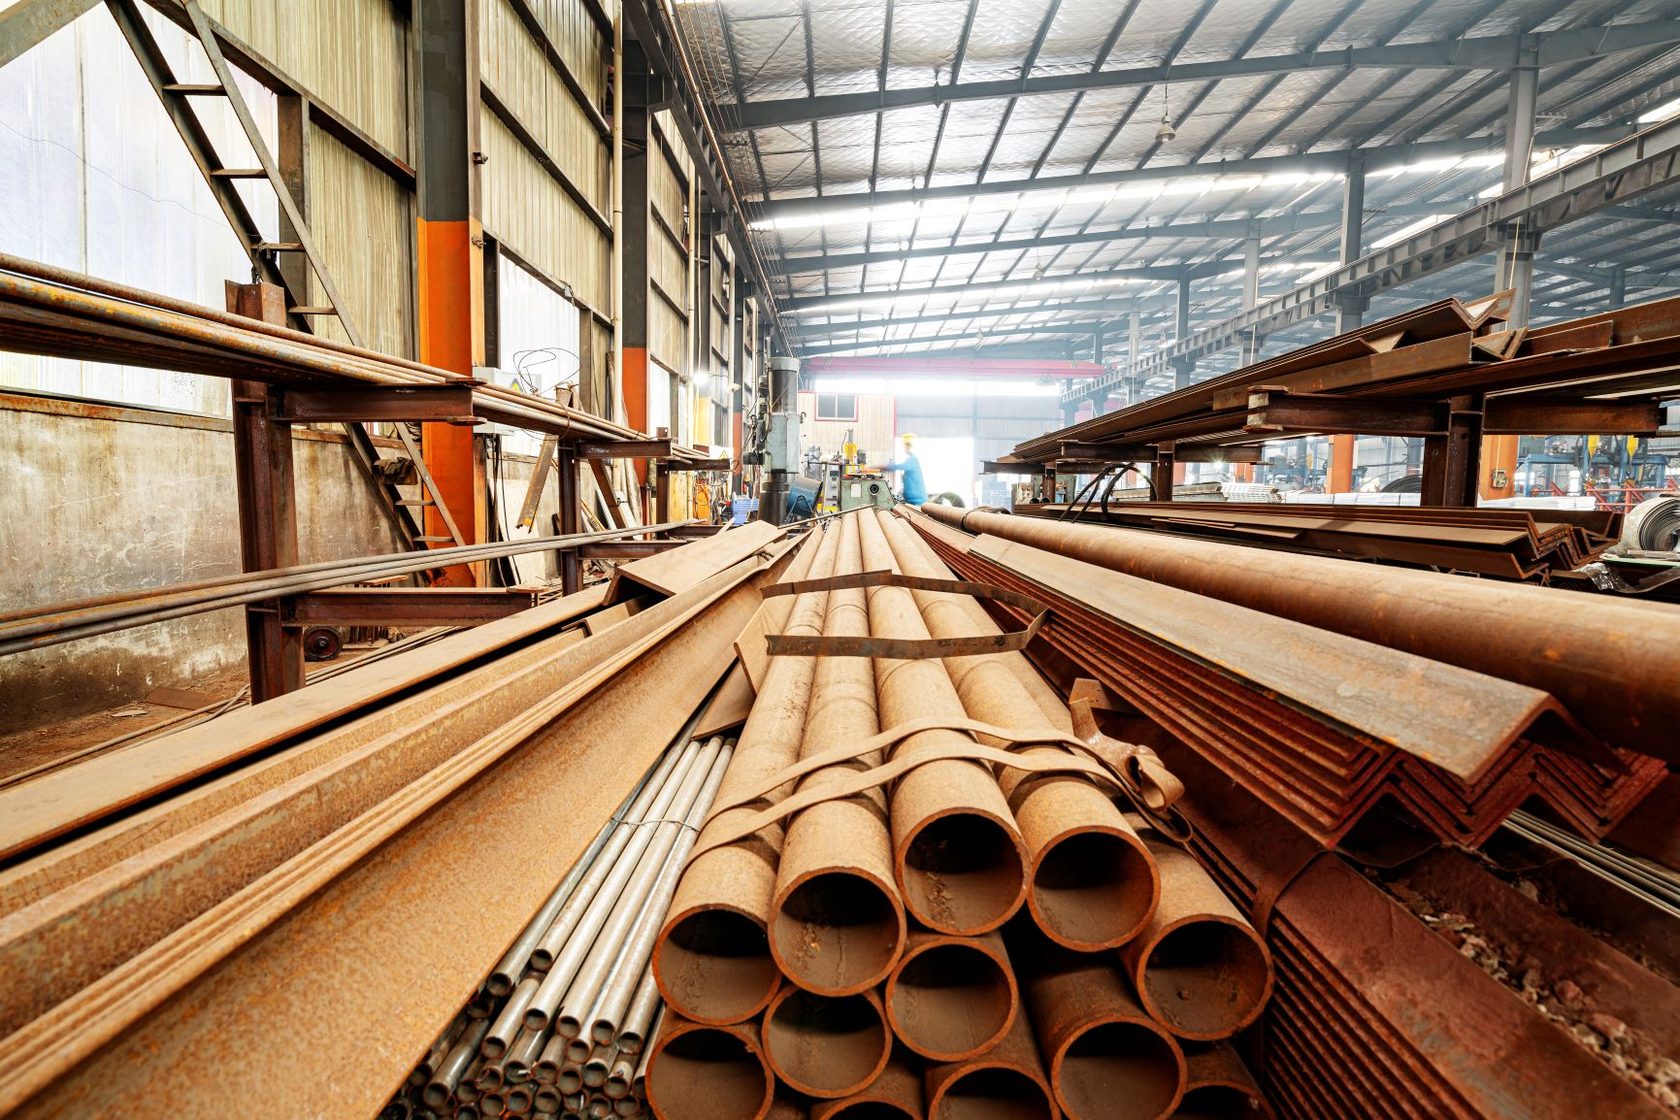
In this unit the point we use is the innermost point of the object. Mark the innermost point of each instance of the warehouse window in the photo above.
(837, 406)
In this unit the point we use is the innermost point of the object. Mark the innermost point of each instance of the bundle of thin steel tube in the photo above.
(879, 919)
(560, 1026)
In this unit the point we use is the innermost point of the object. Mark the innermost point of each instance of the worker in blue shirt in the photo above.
(915, 487)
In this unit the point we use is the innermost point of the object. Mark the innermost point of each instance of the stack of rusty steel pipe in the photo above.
(917, 897)
(560, 1025)
(1323, 724)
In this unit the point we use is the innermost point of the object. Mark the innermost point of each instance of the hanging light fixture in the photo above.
(1166, 132)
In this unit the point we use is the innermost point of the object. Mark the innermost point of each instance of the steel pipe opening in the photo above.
(1203, 979)
(952, 998)
(698, 1072)
(962, 872)
(1118, 1071)
(1220, 1102)
(826, 1046)
(837, 932)
(991, 1093)
(714, 966)
(1093, 888)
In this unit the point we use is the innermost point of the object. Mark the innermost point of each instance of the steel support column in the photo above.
(1452, 462)
(566, 467)
(1183, 368)
(451, 266)
(262, 465)
(1516, 259)
(642, 89)
(1618, 288)
(1351, 309)
(1161, 478)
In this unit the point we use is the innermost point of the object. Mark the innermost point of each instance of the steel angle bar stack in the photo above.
(917, 894)
(347, 861)
(1504, 543)
(1322, 725)
(1481, 1004)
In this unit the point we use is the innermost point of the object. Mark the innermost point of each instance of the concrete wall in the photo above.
(100, 499)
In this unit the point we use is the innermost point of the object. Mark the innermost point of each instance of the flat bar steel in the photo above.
(407, 606)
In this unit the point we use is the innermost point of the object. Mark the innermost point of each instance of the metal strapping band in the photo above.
(905, 649)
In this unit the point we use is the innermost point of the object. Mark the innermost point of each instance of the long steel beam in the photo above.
(1619, 172)
(30, 21)
(1332, 162)
(1488, 52)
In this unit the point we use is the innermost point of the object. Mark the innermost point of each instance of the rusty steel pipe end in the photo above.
(1218, 1086)
(1199, 969)
(1203, 978)
(895, 1095)
(961, 870)
(1095, 884)
(952, 998)
(826, 1046)
(1118, 1068)
(1005, 1083)
(837, 931)
(701, 1072)
(712, 964)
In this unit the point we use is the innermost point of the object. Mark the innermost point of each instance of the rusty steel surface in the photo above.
(961, 864)
(712, 960)
(1318, 772)
(951, 998)
(1374, 1013)
(360, 910)
(895, 1095)
(1093, 883)
(1219, 1086)
(1198, 967)
(837, 923)
(826, 1046)
(1108, 1059)
(1007, 1082)
(1615, 666)
(701, 1072)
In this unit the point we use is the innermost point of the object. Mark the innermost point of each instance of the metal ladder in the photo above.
(177, 98)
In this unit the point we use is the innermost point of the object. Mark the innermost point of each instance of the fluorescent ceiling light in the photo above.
(1661, 113)
(1412, 230)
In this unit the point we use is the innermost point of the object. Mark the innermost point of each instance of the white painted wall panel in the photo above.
(94, 177)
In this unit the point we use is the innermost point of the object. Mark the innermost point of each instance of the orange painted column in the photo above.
(1499, 467)
(1339, 479)
(451, 307)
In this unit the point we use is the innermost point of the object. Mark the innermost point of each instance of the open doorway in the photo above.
(948, 465)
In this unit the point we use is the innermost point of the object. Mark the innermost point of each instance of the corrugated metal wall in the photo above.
(996, 424)
(524, 206)
(363, 222)
(668, 253)
(353, 54)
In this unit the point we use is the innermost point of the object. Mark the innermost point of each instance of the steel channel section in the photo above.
(162, 1032)
(837, 923)
(1614, 666)
(1094, 884)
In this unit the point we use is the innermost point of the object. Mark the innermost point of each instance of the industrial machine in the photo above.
(848, 481)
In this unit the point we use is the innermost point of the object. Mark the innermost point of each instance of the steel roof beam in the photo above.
(812, 302)
(1640, 163)
(1488, 52)
(1112, 308)
(1376, 159)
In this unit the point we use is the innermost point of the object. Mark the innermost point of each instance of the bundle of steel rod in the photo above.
(217, 892)
(880, 918)
(1451, 994)
(560, 1024)
(36, 627)
(1333, 730)
(1506, 543)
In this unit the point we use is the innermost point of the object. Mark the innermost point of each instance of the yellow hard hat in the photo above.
(908, 437)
